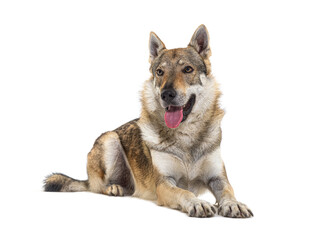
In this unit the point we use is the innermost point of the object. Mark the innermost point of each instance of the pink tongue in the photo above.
(173, 117)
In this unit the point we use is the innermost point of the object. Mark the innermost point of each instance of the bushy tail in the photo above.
(58, 182)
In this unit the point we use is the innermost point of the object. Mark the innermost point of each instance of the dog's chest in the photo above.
(186, 158)
(188, 174)
(171, 165)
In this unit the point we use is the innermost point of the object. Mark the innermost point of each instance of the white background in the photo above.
(71, 70)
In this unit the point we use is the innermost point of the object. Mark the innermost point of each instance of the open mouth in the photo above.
(175, 115)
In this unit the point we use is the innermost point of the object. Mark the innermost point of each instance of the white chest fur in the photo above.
(190, 175)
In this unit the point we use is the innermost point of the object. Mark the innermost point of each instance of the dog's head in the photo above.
(178, 74)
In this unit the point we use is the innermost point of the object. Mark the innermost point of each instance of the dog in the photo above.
(171, 154)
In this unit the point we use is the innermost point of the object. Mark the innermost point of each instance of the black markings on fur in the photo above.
(58, 182)
(137, 153)
(240, 211)
(220, 210)
(122, 176)
(230, 212)
(213, 209)
(174, 54)
(192, 212)
(205, 211)
(53, 187)
(199, 81)
(153, 48)
(251, 213)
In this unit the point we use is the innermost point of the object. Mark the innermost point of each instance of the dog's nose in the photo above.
(168, 95)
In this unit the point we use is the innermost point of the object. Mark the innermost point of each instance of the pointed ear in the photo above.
(155, 46)
(200, 41)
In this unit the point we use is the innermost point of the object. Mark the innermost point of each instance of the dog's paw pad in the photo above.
(234, 209)
(199, 208)
(114, 190)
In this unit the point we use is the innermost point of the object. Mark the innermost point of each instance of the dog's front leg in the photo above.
(224, 193)
(168, 194)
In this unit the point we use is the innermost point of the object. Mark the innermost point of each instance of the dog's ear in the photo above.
(155, 46)
(200, 41)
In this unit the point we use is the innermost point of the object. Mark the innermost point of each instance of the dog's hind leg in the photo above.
(108, 171)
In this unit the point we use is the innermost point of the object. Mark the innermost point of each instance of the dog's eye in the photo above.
(159, 72)
(188, 69)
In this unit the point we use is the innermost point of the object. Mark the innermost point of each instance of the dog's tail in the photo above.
(58, 182)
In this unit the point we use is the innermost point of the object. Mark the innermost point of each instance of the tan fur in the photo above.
(146, 159)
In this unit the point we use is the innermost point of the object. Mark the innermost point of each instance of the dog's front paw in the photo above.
(200, 208)
(234, 209)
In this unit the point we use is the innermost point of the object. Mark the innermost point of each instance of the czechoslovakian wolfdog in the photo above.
(171, 154)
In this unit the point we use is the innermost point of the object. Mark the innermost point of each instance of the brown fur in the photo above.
(146, 159)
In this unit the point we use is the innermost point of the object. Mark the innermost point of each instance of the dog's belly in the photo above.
(189, 175)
